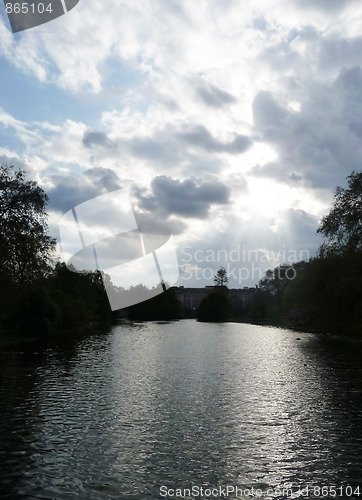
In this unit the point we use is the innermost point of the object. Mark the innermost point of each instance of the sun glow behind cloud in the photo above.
(269, 198)
(260, 102)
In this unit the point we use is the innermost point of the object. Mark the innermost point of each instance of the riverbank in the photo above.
(9, 339)
(352, 331)
(12, 339)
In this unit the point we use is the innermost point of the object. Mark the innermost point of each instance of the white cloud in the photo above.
(263, 98)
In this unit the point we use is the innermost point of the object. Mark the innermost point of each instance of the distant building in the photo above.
(190, 298)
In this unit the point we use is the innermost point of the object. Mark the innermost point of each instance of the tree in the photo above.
(214, 307)
(25, 247)
(276, 280)
(327, 294)
(80, 297)
(273, 290)
(164, 306)
(220, 278)
(35, 312)
(343, 225)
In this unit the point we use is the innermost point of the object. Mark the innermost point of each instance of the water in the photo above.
(124, 413)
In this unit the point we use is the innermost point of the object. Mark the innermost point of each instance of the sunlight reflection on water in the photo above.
(118, 415)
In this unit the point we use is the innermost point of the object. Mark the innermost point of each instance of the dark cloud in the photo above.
(200, 137)
(350, 80)
(277, 172)
(338, 53)
(267, 112)
(308, 52)
(95, 139)
(320, 145)
(300, 228)
(71, 190)
(213, 96)
(324, 5)
(238, 145)
(161, 148)
(158, 150)
(101, 142)
(189, 198)
(147, 219)
(356, 127)
(168, 147)
(104, 177)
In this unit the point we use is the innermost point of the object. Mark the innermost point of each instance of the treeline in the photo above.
(66, 301)
(36, 296)
(163, 307)
(325, 293)
(62, 301)
(39, 297)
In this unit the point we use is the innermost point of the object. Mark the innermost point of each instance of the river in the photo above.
(149, 410)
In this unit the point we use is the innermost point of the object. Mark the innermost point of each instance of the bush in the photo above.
(214, 307)
(35, 313)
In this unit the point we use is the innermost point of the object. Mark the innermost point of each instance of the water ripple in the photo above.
(118, 415)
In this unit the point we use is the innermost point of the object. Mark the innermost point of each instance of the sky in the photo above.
(229, 122)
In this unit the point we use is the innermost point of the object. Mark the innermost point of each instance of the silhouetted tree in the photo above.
(80, 297)
(214, 307)
(270, 301)
(25, 247)
(343, 225)
(35, 312)
(327, 294)
(221, 278)
(164, 306)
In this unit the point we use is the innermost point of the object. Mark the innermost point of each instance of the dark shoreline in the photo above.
(10, 339)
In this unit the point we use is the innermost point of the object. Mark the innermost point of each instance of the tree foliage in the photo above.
(214, 307)
(269, 299)
(326, 292)
(164, 306)
(221, 278)
(327, 295)
(25, 247)
(80, 297)
(343, 225)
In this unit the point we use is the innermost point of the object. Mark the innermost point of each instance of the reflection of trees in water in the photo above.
(20, 415)
(336, 364)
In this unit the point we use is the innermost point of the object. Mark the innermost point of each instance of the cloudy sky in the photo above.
(230, 122)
